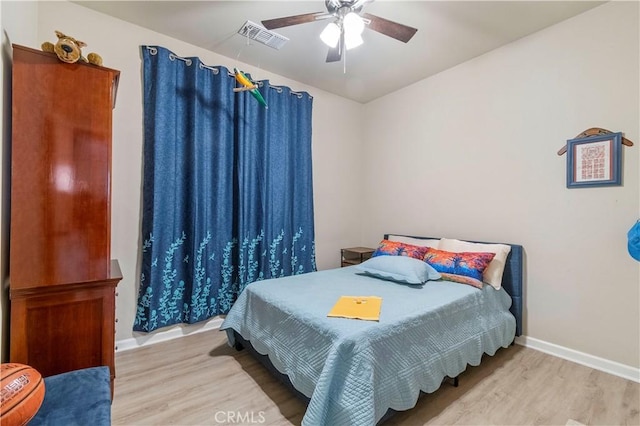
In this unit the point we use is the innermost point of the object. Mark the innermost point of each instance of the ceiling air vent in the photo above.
(262, 35)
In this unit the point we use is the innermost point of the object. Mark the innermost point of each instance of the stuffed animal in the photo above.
(69, 50)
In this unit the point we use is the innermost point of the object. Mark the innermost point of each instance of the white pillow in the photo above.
(493, 274)
(420, 242)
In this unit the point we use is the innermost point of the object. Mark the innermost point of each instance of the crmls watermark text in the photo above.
(239, 417)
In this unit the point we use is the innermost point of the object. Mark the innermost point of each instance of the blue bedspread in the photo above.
(354, 370)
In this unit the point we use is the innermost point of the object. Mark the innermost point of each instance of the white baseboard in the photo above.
(611, 367)
(144, 339)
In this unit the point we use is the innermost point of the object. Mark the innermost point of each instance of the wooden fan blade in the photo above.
(287, 21)
(335, 53)
(389, 28)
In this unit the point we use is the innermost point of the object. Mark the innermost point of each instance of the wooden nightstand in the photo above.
(354, 255)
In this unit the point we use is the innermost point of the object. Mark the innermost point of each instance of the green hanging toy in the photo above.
(248, 85)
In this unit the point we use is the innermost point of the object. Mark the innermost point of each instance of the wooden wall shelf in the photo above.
(594, 131)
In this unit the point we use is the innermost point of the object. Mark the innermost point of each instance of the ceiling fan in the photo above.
(345, 31)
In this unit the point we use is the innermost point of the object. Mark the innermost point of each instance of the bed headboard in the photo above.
(512, 279)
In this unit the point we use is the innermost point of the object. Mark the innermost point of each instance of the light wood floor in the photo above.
(200, 380)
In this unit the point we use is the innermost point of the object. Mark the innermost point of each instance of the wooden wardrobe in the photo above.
(62, 278)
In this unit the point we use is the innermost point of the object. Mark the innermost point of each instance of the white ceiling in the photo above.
(449, 33)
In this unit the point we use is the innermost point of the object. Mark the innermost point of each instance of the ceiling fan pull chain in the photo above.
(344, 60)
(343, 48)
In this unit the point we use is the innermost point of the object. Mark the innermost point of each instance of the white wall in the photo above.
(471, 153)
(18, 26)
(336, 141)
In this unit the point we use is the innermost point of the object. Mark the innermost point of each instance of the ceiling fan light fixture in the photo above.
(352, 40)
(331, 35)
(347, 26)
(353, 23)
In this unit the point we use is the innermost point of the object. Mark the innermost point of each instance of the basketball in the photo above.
(22, 389)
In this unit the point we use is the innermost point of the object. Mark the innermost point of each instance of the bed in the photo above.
(353, 372)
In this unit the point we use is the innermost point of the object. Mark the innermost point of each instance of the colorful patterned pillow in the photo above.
(493, 274)
(465, 267)
(396, 248)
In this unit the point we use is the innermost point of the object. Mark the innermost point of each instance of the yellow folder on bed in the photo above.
(357, 307)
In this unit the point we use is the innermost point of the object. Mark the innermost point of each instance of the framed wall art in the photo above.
(594, 161)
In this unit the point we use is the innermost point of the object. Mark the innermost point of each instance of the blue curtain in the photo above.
(227, 192)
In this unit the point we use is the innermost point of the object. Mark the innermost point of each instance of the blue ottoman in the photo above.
(77, 398)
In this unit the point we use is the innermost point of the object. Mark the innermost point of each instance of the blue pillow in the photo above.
(400, 269)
